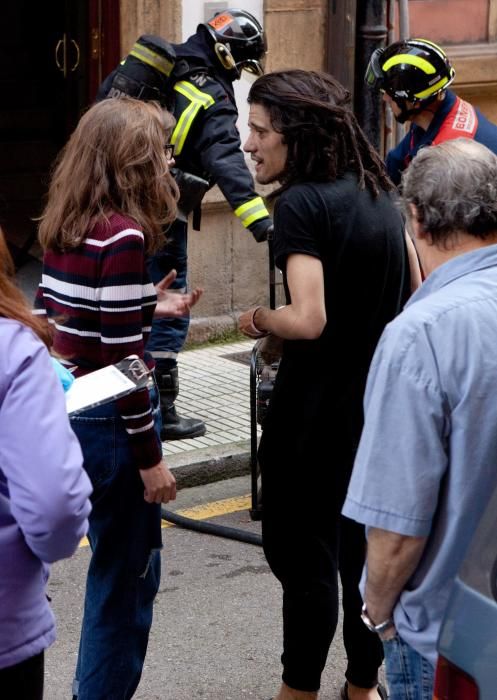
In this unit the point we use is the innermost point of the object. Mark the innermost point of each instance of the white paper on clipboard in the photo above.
(106, 384)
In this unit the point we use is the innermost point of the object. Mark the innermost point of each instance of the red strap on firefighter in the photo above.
(462, 121)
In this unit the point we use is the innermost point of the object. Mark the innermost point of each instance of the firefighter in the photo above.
(195, 80)
(414, 76)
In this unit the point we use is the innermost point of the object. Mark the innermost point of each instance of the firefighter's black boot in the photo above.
(174, 427)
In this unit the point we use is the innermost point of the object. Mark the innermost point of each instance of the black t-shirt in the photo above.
(360, 241)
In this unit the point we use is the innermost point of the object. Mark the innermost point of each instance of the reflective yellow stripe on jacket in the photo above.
(197, 99)
(251, 211)
(146, 55)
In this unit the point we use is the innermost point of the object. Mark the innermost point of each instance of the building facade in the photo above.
(55, 54)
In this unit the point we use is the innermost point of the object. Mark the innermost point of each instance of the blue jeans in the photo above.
(169, 334)
(124, 572)
(409, 675)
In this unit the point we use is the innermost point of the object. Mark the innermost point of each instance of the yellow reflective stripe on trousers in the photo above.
(198, 100)
(251, 211)
(146, 55)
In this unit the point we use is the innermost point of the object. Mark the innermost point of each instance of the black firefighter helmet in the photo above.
(239, 41)
(413, 70)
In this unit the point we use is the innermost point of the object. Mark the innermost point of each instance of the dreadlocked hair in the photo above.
(311, 110)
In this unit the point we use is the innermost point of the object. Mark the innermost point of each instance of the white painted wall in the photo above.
(194, 14)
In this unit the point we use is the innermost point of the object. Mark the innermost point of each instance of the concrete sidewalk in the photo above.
(214, 386)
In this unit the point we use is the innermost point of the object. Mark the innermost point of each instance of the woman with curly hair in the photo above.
(110, 197)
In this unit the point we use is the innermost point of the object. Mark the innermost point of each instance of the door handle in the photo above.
(62, 64)
(78, 54)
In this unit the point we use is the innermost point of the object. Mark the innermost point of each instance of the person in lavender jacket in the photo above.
(43, 489)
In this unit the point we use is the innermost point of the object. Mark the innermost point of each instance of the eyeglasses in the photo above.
(169, 150)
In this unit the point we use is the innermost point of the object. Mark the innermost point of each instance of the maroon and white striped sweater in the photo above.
(100, 300)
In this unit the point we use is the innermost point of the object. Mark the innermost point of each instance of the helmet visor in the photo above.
(374, 77)
(252, 67)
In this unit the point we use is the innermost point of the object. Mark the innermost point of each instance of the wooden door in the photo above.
(51, 65)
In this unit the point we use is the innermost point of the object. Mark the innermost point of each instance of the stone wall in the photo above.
(149, 17)
(470, 45)
(297, 32)
(232, 267)
(476, 75)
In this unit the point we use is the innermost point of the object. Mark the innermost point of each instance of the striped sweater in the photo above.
(100, 301)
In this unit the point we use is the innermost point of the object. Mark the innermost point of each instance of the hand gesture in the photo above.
(172, 303)
(160, 484)
(246, 324)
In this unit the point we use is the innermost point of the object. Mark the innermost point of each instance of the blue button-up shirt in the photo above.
(427, 460)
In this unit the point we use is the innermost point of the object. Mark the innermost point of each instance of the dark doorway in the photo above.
(51, 58)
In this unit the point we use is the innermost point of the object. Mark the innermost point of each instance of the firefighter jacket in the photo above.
(206, 138)
(207, 144)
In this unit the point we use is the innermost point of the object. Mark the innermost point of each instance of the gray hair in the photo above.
(454, 188)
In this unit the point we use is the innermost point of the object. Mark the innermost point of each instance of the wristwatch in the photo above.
(379, 628)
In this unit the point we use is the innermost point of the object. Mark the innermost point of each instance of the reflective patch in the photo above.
(220, 21)
(199, 79)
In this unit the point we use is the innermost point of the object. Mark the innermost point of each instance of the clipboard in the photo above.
(107, 384)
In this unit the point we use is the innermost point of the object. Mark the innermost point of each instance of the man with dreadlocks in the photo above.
(339, 241)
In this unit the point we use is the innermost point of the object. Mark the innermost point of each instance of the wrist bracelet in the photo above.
(378, 628)
(256, 332)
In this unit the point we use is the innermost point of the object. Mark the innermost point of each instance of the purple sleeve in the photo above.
(40, 457)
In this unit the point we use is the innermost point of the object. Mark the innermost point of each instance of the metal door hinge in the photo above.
(96, 44)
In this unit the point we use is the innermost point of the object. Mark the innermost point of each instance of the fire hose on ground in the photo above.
(231, 533)
(260, 391)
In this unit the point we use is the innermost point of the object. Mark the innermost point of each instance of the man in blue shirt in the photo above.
(426, 464)
(414, 75)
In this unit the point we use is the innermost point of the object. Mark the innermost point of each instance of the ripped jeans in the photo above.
(124, 571)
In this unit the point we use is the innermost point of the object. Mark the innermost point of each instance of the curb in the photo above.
(210, 464)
